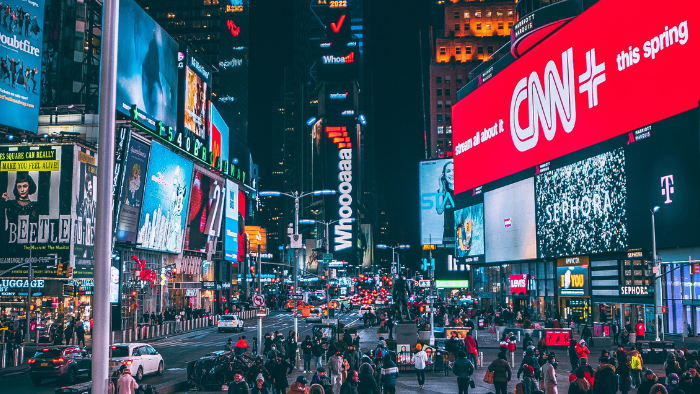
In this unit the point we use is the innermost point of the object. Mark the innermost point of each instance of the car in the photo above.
(366, 309)
(141, 358)
(60, 362)
(230, 323)
(315, 315)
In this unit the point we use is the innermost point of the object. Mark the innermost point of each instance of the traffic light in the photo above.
(134, 293)
(59, 269)
(174, 271)
(696, 268)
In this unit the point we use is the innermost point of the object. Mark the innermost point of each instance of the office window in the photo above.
(448, 129)
(458, 27)
(448, 79)
(459, 79)
(466, 27)
(458, 50)
(477, 14)
(448, 117)
(488, 26)
(197, 24)
(440, 129)
(448, 104)
(443, 50)
(488, 14)
(439, 104)
(466, 14)
(456, 14)
(438, 79)
(478, 26)
(510, 25)
(468, 50)
(490, 49)
(439, 117)
(447, 92)
(480, 50)
(500, 25)
(438, 92)
(499, 13)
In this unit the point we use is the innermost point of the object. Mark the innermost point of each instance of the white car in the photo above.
(366, 309)
(315, 315)
(230, 323)
(141, 358)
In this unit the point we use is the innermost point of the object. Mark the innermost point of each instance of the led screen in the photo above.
(84, 192)
(469, 225)
(165, 201)
(206, 209)
(195, 103)
(581, 208)
(231, 222)
(133, 184)
(146, 67)
(218, 135)
(509, 215)
(572, 280)
(437, 202)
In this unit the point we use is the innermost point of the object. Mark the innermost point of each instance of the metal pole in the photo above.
(657, 282)
(105, 178)
(296, 260)
(258, 270)
(432, 310)
(260, 338)
(30, 275)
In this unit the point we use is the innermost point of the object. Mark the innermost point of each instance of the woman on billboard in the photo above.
(447, 206)
(11, 210)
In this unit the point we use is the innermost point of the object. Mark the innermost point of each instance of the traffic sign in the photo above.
(297, 296)
(329, 321)
(258, 300)
(327, 257)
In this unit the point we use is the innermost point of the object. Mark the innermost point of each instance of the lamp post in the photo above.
(393, 250)
(657, 273)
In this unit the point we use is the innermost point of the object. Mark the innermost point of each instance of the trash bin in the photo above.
(633, 338)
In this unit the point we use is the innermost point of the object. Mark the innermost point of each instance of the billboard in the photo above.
(575, 90)
(83, 212)
(231, 222)
(36, 203)
(147, 74)
(437, 202)
(196, 99)
(206, 210)
(241, 225)
(218, 135)
(469, 233)
(164, 206)
(133, 184)
(20, 63)
(572, 276)
(509, 215)
(365, 243)
(581, 207)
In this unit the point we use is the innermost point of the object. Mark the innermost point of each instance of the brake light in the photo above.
(113, 347)
(44, 350)
(59, 360)
(31, 361)
(127, 362)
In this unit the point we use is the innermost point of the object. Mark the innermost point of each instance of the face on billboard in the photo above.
(206, 209)
(509, 213)
(231, 227)
(20, 63)
(469, 223)
(437, 202)
(575, 90)
(218, 134)
(84, 189)
(132, 191)
(581, 208)
(165, 201)
(195, 103)
(146, 71)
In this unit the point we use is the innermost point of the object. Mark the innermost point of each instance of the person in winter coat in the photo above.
(686, 384)
(471, 347)
(582, 350)
(658, 389)
(291, 343)
(648, 380)
(550, 377)
(335, 368)
(530, 360)
(605, 358)
(420, 359)
(241, 346)
(623, 373)
(267, 343)
(299, 386)
(588, 371)
(672, 382)
(325, 380)
(126, 383)
(573, 355)
(542, 345)
(636, 367)
(306, 347)
(389, 374)
(353, 357)
(580, 385)
(281, 346)
(257, 369)
(239, 385)
(586, 335)
(502, 373)
(605, 380)
(680, 359)
(527, 341)
(279, 371)
(464, 369)
(672, 366)
(316, 389)
(367, 385)
(529, 382)
(350, 386)
(260, 387)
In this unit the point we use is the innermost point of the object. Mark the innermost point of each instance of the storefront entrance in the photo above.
(578, 308)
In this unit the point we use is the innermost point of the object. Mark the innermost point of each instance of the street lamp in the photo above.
(657, 273)
(393, 250)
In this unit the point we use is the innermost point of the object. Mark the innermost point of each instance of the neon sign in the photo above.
(338, 4)
(343, 230)
(235, 6)
(338, 96)
(330, 59)
(235, 30)
(348, 112)
(231, 63)
(336, 26)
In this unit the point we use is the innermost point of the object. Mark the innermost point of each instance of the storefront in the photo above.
(681, 290)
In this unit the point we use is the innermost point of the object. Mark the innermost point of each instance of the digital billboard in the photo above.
(231, 222)
(20, 62)
(437, 202)
(469, 229)
(241, 225)
(36, 202)
(84, 193)
(133, 184)
(164, 207)
(581, 207)
(218, 134)
(509, 216)
(575, 90)
(572, 276)
(195, 103)
(206, 209)
(147, 73)
(365, 243)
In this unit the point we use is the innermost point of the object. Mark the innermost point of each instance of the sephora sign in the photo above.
(575, 90)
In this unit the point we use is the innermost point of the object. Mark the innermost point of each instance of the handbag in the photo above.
(472, 384)
(488, 377)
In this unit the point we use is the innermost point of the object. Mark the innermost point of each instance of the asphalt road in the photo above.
(178, 350)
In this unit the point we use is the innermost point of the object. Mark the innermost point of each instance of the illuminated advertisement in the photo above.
(206, 209)
(581, 208)
(518, 284)
(36, 206)
(20, 62)
(195, 102)
(84, 193)
(147, 73)
(241, 225)
(572, 276)
(365, 244)
(575, 90)
(469, 225)
(437, 202)
(133, 184)
(231, 222)
(218, 135)
(164, 208)
(509, 216)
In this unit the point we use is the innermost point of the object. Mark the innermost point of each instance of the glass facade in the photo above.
(681, 297)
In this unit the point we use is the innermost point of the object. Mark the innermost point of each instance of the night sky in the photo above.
(391, 42)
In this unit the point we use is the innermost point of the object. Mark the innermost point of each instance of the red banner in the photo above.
(587, 83)
(518, 284)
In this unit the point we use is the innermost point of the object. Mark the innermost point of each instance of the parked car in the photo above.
(60, 362)
(230, 323)
(142, 359)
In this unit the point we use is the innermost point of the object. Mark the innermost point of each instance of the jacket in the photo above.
(645, 386)
(238, 387)
(317, 349)
(389, 372)
(501, 370)
(672, 367)
(580, 386)
(529, 359)
(279, 373)
(263, 390)
(529, 385)
(550, 379)
(306, 346)
(349, 387)
(256, 369)
(573, 353)
(291, 346)
(127, 384)
(327, 384)
(588, 373)
(335, 365)
(582, 351)
(281, 347)
(315, 389)
(420, 359)
(267, 345)
(471, 345)
(635, 360)
(298, 388)
(368, 385)
(353, 358)
(463, 368)
(659, 388)
(605, 380)
(623, 371)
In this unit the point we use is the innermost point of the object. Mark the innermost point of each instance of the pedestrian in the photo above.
(550, 376)
(353, 356)
(648, 381)
(502, 373)
(623, 373)
(306, 347)
(69, 333)
(335, 368)
(658, 389)
(260, 387)
(299, 386)
(80, 332)
(686, 384)
(530, 360)
(581, 349)
(316, 388)
(325, 380)
(527, 341)
(640, 330)
(317, 352)
(178, 323)
(279, 371)
(573, 355)
(680, 359)
(464, 369)
(672, 382)
(471, 347)
(580, 385)
(153, 318)
(229, 347)
(350, 386)
(239, 385)
(588, 371)
(257, 369)
(368, 384)
(605, 358)
(529, 383)
(58, 336)
(292, 346)
(636, 367)
(126, 383)
(587, 335)
(390, 372)
(616, 333)
(420, 359)
(241, 346)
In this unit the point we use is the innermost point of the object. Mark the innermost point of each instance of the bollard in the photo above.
(518, 336)
(21, 354)
(3, 359)
(16, 356)
(481, 359)
(111, 338)
(123, 336)
(512, 359)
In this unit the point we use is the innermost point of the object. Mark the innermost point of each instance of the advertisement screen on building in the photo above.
(437, 202)
(196, 89)
(147, 73)
(20, 63)
(206, 209)
(572, 280)
(218, 134)
(509, 215)
(36, 206)
(518, 284)
(84, 192)
(241, 225)
(469, 224)
(231, 222)
(581, 207)
(164, 208)
(132, 188)
(575, 90)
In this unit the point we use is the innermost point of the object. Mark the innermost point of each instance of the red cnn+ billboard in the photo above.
(592, 80)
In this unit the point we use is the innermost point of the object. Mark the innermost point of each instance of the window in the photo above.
(466, 14)
(447, 92)
(478, 26)
(448, 104)
(500, 25)
(456, 14)
(439, 117)
(510, 25)
(488, 26)
(197, 24)
(458, 27)
(438, 79)
(439, 129)
(459, 79)
(466, 27)
(490, 49)
(480, 50)
(477, 14)
(458, 50)
(499, 13)
(448, 129)
(439, 92)
(448, 117)
(488, 14)
(510, 12)
(443, 50)
(468, 50)
(447, 79)
(207, 2)
(439, 104)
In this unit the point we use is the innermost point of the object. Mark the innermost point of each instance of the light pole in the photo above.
(657, 273)
(393, 250)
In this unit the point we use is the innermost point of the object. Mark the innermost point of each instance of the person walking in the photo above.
(605, 380)
(464, 369)
(279, 371)
(317, 352)
(586, 335)
(672, 366)
(582, 350)
(502, 373)
(580, 385)
(420, 359)
(267, 343)
(368, 384)
(573, 355)
(616, 333)
(58, 336)
(80, 333)
(239, 385)
(292, 345)
(529, 383)
(299, 386)
(550, 377)
(640, 330)
(126, 383)
(623, 373)
(530, 360)
(351, 384)
(649, 380)
(260, 387)
(636, 367)
(471, 347)
(324, 380)
(306, 347)
(390, 372)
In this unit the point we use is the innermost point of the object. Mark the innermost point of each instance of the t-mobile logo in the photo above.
(667, 188)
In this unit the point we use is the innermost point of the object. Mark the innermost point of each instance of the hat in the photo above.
(580, 374)
(127, 370)
(529, 370)
(673, 379)
(259, 378)
(301, 379)
(582, 342)
(320, 369)
(382, 342)
(418, 346)
(583, 361)
(461, 354)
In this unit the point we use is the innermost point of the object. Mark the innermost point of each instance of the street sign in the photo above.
(258, 300)
(297, 297)
(296, 241)
(393, 269)
(329, 321)
(432, 297)
(327, 257)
